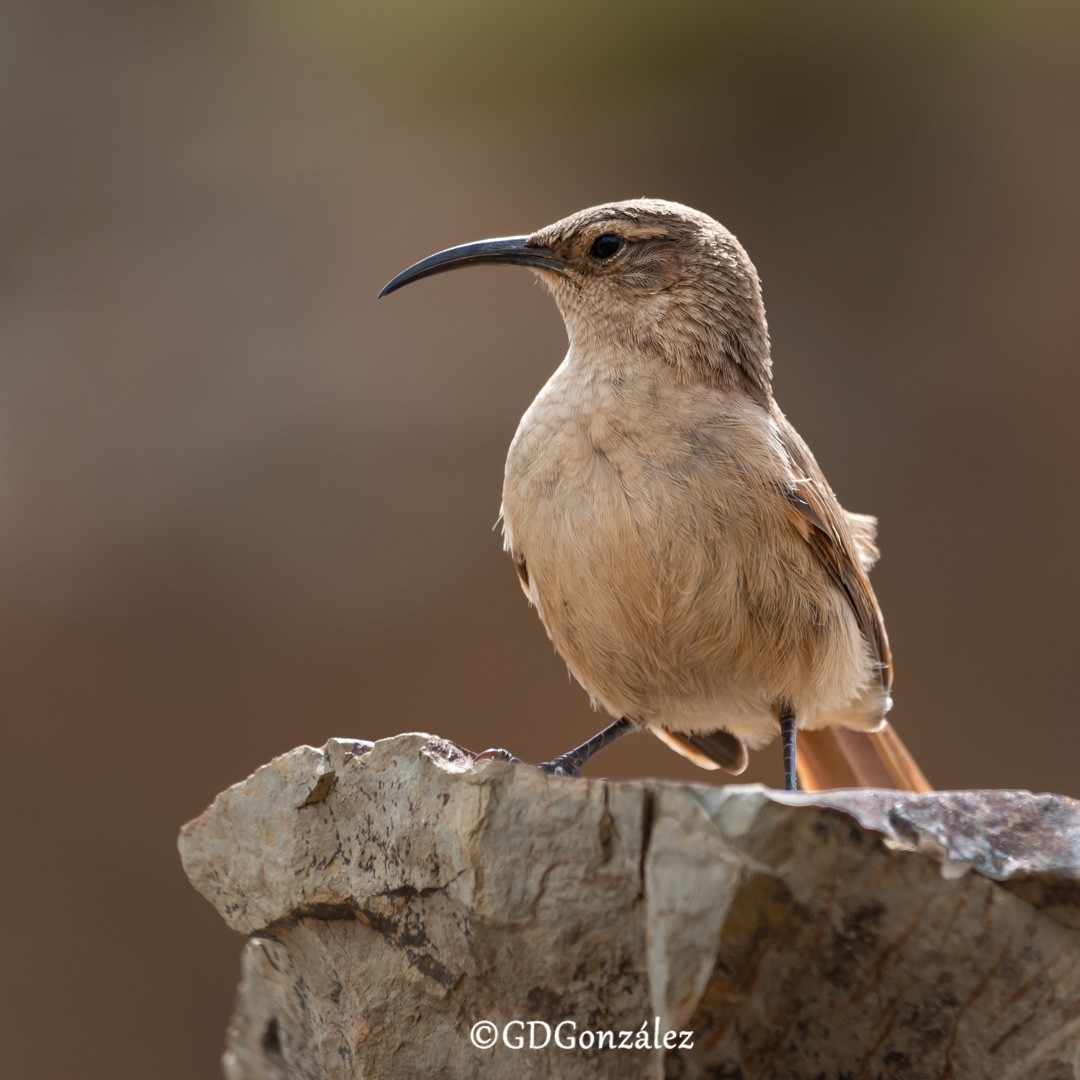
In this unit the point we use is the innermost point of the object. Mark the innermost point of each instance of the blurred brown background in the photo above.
(245, 507)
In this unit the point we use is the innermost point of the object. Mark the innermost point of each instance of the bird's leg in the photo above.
(787, 739)
(569, 764)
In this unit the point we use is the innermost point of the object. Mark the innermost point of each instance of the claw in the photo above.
(497, 754)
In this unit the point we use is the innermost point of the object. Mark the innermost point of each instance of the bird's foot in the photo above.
(497, 754)
(569, 764)
(563, 765)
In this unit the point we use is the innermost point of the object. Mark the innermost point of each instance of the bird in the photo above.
(678, 539)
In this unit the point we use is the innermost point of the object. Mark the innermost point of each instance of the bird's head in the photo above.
(645, 275)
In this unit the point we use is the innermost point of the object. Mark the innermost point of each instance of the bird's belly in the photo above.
(676, 596)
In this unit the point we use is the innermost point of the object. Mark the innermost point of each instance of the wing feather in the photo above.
(842, 550)
(707, 749)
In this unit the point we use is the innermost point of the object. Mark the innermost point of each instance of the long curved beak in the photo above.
(504, 249)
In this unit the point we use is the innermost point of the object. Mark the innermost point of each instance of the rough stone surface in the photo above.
(396, 894)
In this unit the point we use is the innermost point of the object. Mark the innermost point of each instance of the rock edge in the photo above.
(395, 894)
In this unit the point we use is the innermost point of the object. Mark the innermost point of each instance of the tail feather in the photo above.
(838, 757)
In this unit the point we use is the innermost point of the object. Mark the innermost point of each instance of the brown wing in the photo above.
(822, 522)
(836, 757)
(707, 749)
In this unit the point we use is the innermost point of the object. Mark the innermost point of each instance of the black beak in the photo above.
(505, 249)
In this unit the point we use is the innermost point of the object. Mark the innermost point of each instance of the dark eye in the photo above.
(605, 245)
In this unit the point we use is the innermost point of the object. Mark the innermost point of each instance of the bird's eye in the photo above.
(605, 245)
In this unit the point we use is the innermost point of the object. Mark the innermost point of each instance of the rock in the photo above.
(398, 898)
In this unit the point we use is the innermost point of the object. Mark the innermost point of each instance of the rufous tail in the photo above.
(837, 757)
